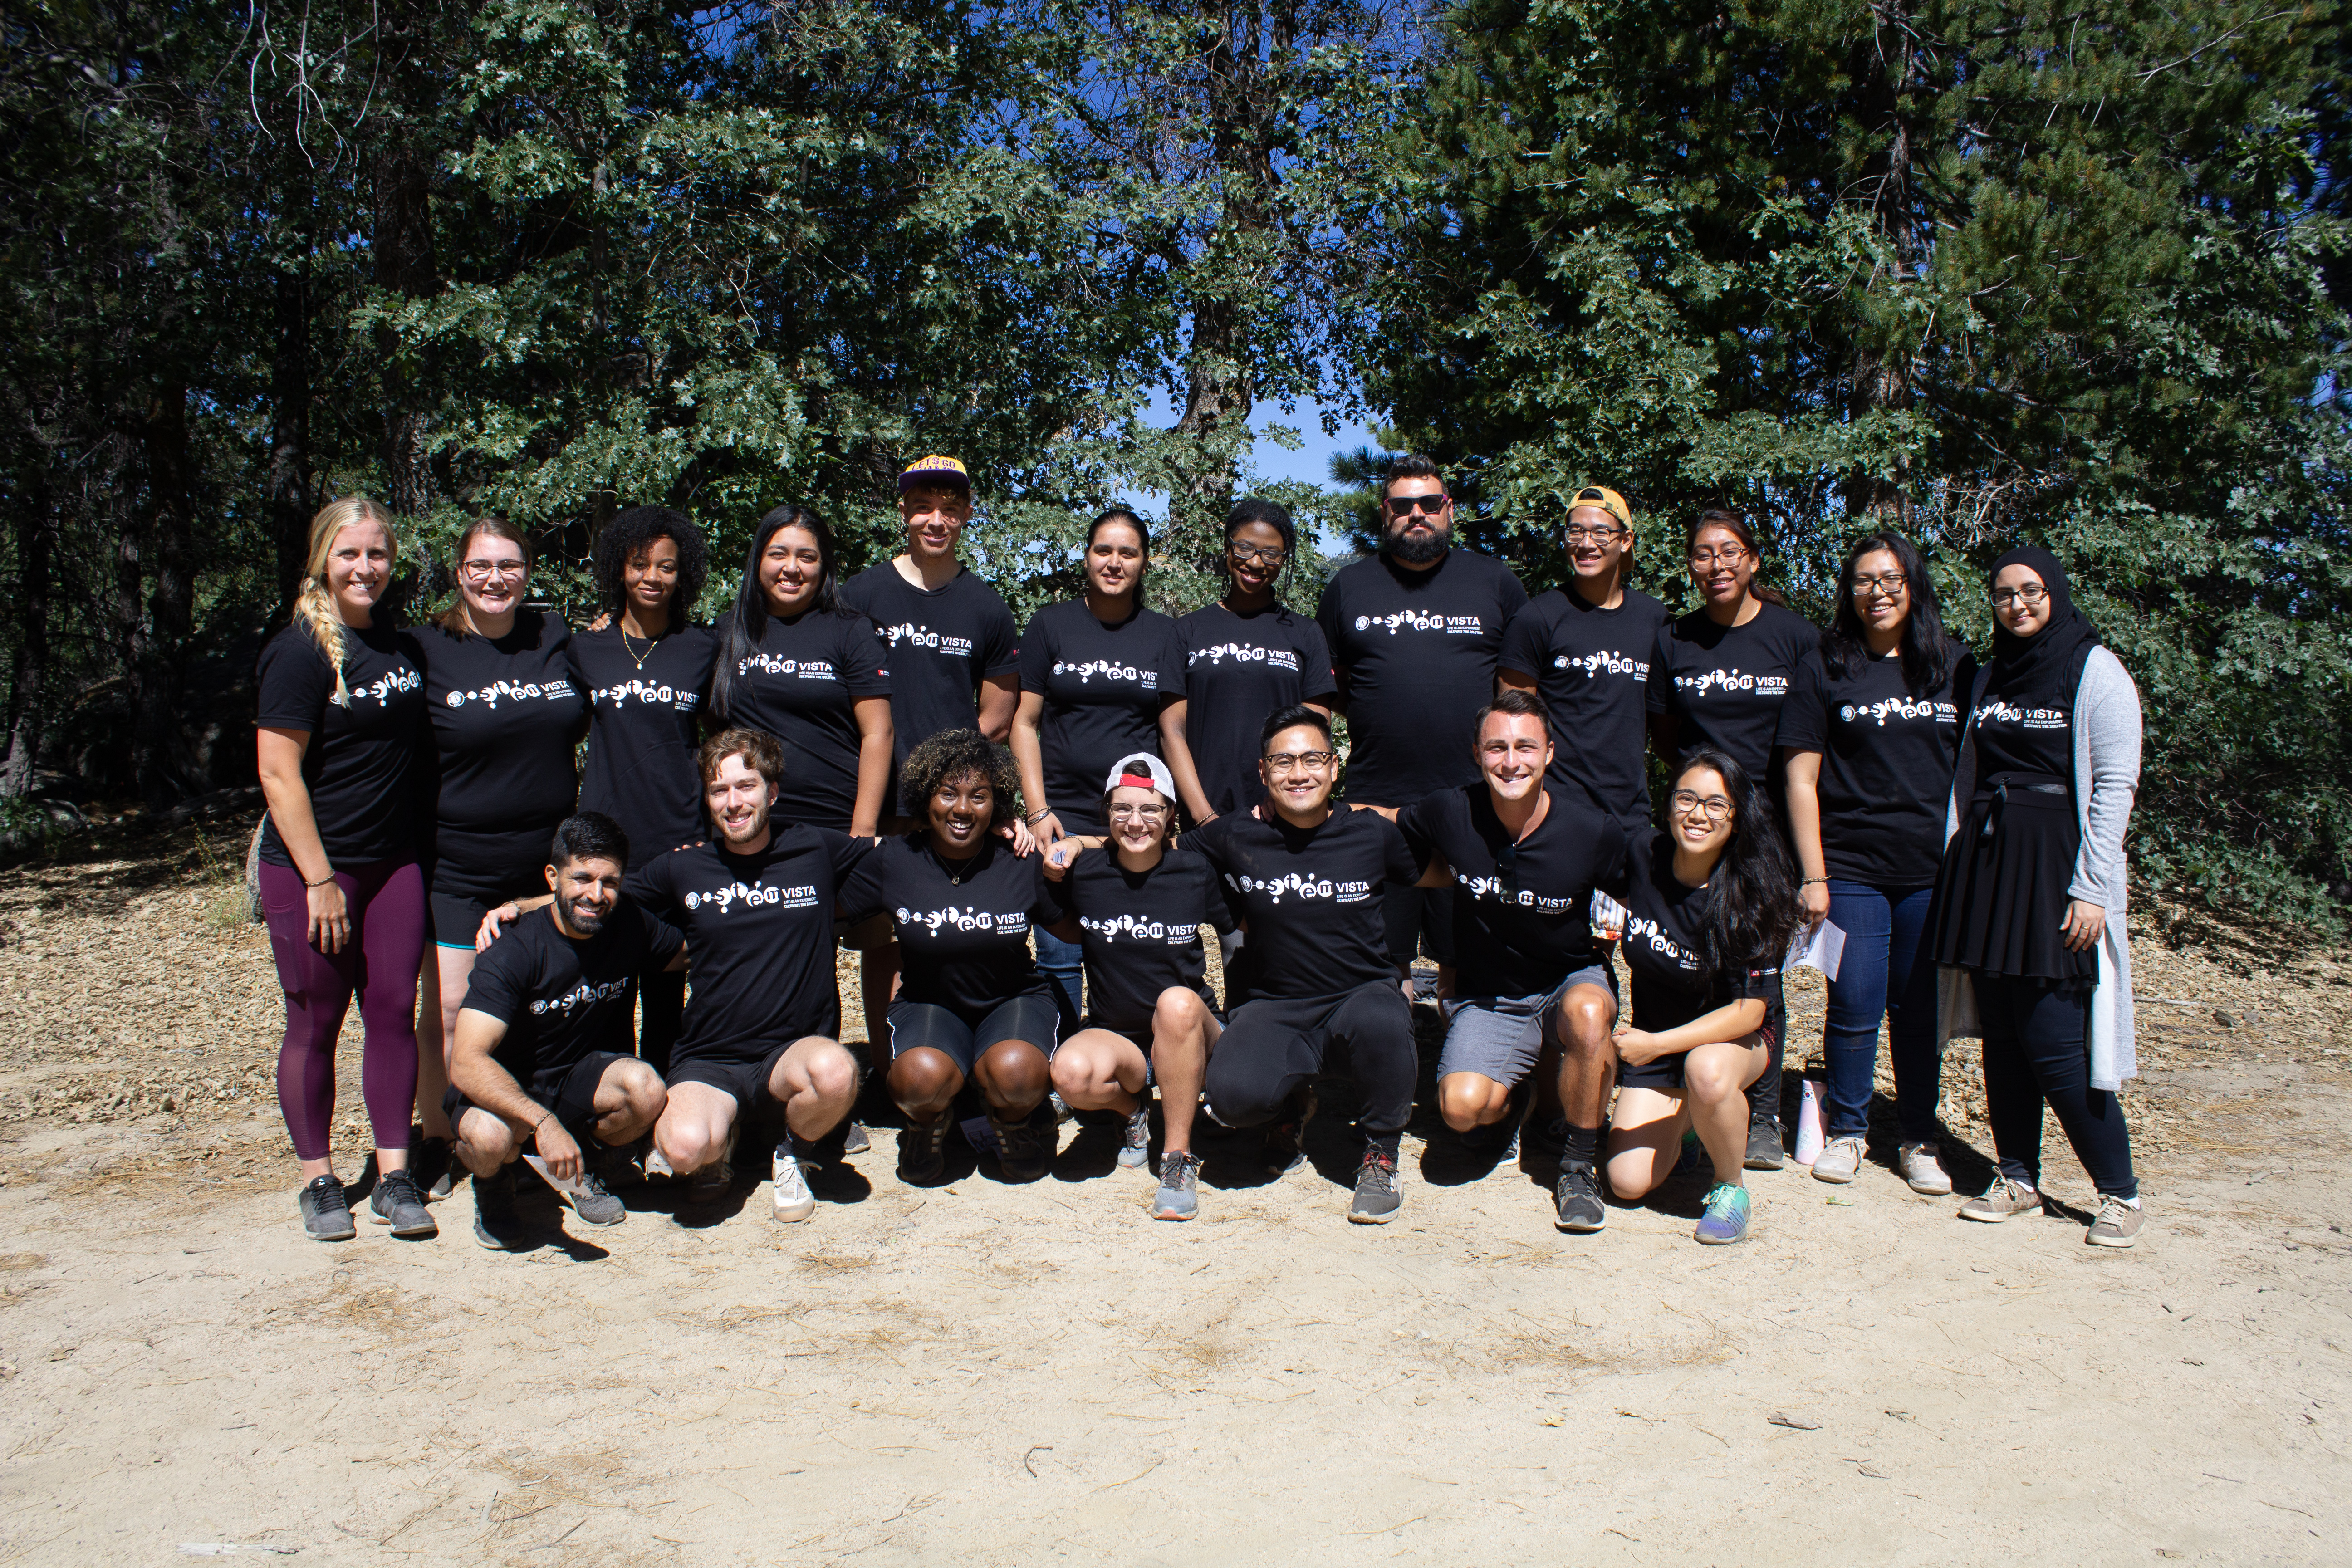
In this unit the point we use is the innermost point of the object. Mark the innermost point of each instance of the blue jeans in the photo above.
(1884, 972)
(1063, 963)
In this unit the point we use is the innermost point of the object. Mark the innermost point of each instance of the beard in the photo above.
(1414, 549)
(585, 922)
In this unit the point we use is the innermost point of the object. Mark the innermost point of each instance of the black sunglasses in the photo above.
(1405, 506)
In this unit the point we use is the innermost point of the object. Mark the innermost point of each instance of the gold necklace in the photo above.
(633, 653)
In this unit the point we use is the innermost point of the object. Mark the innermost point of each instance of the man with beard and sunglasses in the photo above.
(1415, 632)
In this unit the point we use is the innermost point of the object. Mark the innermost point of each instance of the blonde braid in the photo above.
(314, 607)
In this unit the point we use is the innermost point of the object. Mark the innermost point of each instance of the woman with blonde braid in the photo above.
(338, 731)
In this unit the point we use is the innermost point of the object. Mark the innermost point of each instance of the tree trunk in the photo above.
(28, 669)
(404, 265)
(291, 500)
(162, 757)
(1882, 370)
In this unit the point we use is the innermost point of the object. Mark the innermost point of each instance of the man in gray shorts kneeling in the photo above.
(1524, 858)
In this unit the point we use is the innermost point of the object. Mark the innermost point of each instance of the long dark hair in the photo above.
(1752, 916)
(746, 626)
(1716, 517)
(636, 530)
(1143, 536)
(1926, 651)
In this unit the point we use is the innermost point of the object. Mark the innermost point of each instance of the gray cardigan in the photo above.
(2107, 776)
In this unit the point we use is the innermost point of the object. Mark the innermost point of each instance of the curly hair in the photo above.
(954, 754)
(636, 530)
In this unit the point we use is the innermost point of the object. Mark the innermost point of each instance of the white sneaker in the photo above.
(1923, 1170)
(1839, 1160)
(656, 1165)
(790, 1194)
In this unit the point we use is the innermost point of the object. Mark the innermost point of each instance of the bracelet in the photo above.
(1030, 819)
(541, 1122)
(1810, 880)
(322, 882)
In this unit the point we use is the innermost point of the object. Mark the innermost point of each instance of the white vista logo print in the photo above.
(1900, 708)
(1999, 712)
(758, 895)
(931, 921)
(382, 687)
(1603, 660)
(512, 691)
(1655, 936)
(1109, 669)
(659, 693)
(1416, 620)
(915, 636)
(769, 664)
(1525, 897)
(584, 995)
(1731, 680)
(1244, 653)
(1303, 886)
(1115, 927)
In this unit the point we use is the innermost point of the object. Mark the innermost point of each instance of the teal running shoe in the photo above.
(1725, 1219)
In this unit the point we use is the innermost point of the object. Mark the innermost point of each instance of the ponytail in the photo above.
(314, 607)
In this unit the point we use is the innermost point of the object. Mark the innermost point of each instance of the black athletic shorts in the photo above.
(458, 916)
(961, 1038)
(1666, 1072)
(747, 1081)
(570, 1092)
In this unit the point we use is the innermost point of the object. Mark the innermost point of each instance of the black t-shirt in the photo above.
(361, 766)
(2031, 740)
(1142, 932)
(1312, 897)
(944, 643)
(1518, 932)
(1418, 652)
(1725, 684)
(963, 928)
(1237, 671)
(1104, 687)
(1887, 764)
(506, 717)
(759, 937)
(1662, 924)
(640, 770)
(561, 998)
(1591, 667)
(801, 685)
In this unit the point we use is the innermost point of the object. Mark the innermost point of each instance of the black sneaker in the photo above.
(1284, 1143)
(432, 1165)
(326, 1213)
(1377, 1199)
(497, 1222)
(594, 1201)
(1025, 1148)
(1578, 1193)
(855, 1140)
(1764, 1145)
(396, 1202)
(922, 1151)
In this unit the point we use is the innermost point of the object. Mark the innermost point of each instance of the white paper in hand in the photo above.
(550, 1178)
(1821, 950)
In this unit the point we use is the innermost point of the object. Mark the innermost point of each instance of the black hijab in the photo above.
(2039, 671)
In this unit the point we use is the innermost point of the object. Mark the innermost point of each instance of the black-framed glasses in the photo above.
(2032, 594)
(1281, 763)
(1714, 807)
(1729, 554)
(1578, 534)
(1270, 556)
(1405, 506)
(1887, 582)
(1506, 869)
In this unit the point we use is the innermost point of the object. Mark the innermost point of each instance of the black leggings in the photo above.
(1274, 1046)
(2036, 1048)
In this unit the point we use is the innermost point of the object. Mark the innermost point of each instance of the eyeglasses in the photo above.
(2032, 593)
(1579, 534)
(1270, 556)
(1887, 582)
(1729, 554)
(1715, 807)
(1506, 869)
(483, 571)
(1138, 812)
(1405, 506)
(1281, 763)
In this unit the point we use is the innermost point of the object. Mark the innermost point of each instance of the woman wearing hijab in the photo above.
(2028, 913)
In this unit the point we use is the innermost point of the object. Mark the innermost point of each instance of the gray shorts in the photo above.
(1501, 1038)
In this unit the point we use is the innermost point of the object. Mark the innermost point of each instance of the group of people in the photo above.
(1023, 835)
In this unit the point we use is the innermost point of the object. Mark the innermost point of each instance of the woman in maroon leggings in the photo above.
(340, 722)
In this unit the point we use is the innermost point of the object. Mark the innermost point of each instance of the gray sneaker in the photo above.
(594, 1201)
(1377, 1199)
(1178, 1197)
(326, 1213)
(1764, 1145)
(498, 1223)
(1839, 1161)
(2003, 1200)
(2117, 1225)
(397, 1202)
(1924, 1169)
(1135, 1147)
(856, 1140)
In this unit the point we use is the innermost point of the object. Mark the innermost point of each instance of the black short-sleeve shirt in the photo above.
(963, 927)
(1887, 764)
(1142, 932)
(1418, 651)
(1104, 687)
(759, 937)
(1725, 684)
(1310, 896)
(802, 683)
(1591, 667)
(1237, 671)
(1664, 922)
(1518, 929)
(361, 765)
(506, 718)
(644, 702)
(561, 997)
(944, 643)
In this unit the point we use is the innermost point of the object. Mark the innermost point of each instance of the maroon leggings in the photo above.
(386, 901)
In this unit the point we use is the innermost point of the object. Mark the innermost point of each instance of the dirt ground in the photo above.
(1004, 1374)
